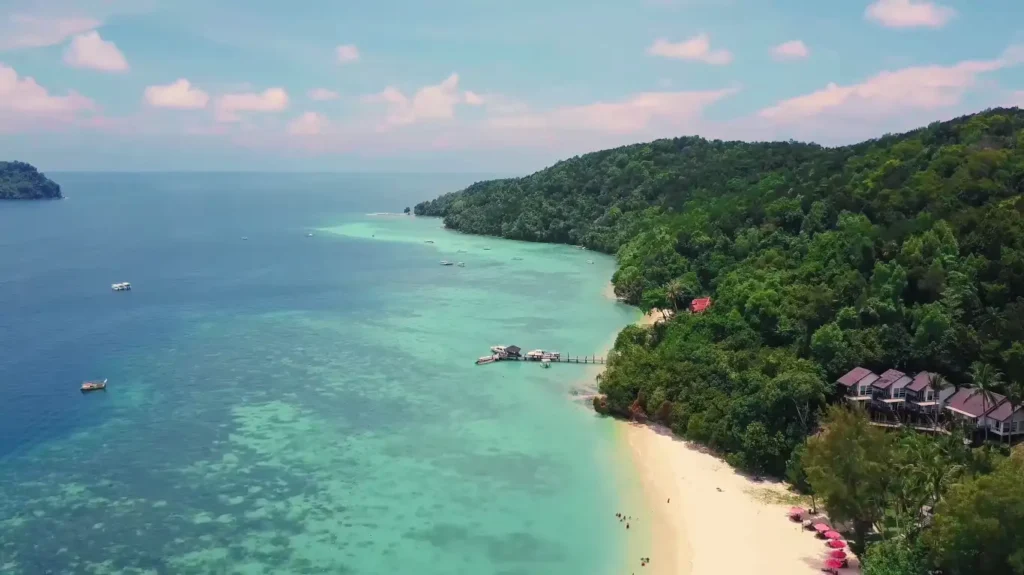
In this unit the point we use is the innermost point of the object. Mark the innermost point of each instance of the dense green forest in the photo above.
(904, 252)
(21, 181)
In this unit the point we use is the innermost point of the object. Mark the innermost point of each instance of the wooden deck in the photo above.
(584, 359)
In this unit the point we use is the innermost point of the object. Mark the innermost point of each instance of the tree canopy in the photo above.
(21, 181)
(906, 252)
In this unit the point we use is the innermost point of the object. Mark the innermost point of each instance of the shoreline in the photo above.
(706, 515)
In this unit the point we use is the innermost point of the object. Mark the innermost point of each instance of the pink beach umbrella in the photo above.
(837, 554)
(796, 511)
(833, 535)
(836, 543)
(834, 564)
(821, 527)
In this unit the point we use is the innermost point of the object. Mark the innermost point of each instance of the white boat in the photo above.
(590, 261)
(122, 286)
(462, 264)
(498, 348)
(245, 237)
(545, 363)
(309, 235)
(446, 263)
(487, 359)
(94, 385)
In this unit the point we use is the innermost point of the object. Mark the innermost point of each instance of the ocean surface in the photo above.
(292, 404)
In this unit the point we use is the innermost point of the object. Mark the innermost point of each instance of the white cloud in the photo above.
(697, 49)
(638, 114)
(308, 124)
(91, 51)
(322, 94)
(269, 100)
(909, 14)
(891, 93)
(473, 99)
(30, 31)
(792, 50)
(22, 101)
(430, 103)
(347, 53)
(179, 94)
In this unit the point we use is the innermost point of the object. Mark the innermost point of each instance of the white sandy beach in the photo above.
(718, 521)
(709, 519)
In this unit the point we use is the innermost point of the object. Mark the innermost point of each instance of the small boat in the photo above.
(487, 359)
(309, 235)
(487, 249)
(590, 261)
(245, 237)
(429, 241)
(94, 385)
(545, 363)
(498, 348)
(122, 286)
(446, 263)
(462, 264)
(517, 259)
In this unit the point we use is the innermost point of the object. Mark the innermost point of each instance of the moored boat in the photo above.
(94, 385)
(122, 286)
(545, 363)
(446, 263)
(487, 359)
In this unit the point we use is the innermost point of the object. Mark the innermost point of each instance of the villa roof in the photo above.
(890, 378)
(855, 375)
(1003, 411)
(920, 382)
(700, 304)
(970, 402)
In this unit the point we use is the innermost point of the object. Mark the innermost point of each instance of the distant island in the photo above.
(21, 181)
(794, 269)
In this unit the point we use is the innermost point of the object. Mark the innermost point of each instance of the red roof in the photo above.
(700, 304)
(920, 382)
(970, 402)
(855, 375)
(890, 377)
(1003, 412)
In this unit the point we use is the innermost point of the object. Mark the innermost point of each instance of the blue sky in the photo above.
(478, 85)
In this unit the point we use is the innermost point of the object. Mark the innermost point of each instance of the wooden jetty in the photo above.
(561, 359)
(514, 353)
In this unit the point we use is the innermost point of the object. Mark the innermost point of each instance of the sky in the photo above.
(479, 85)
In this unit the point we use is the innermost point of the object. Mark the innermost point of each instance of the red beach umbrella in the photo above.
(836, 543)
(834, 564)
(821, 527)
(837, 554)
(833, 535)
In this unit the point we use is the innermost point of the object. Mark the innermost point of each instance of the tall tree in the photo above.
(848, 465)
(979, 526)
(986, 379)
(936, 383)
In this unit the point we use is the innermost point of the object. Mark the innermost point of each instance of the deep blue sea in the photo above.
(293, 404)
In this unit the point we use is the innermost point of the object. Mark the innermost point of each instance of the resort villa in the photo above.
(896, 398)
(700, 304)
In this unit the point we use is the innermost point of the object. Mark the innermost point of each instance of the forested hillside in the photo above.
(906, 251)
(21, 181)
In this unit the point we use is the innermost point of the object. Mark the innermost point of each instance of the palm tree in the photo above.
(985, 379)
(674, 291)
(936, 383)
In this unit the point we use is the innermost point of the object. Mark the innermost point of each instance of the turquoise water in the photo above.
(293, 404)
